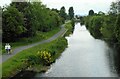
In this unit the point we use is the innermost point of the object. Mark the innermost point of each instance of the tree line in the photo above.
(106, 27)
(24, 19)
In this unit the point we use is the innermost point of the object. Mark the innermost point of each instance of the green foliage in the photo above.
(26, 41)
(101, 13)
(71, 12)
(45, 57)
(91, 12)
(70, 26)
(107, 28)
(24, 19)
(63, 14)
(12, 23)
(94, 24)
(113, 8)
(29, 57)
(117, 29)
(0, 11)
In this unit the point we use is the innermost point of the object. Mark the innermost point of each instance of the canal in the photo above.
(84, 57)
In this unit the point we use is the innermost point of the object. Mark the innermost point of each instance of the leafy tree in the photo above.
(12, 23)
(118, 7)
(63, 13)
(117, 28)
(113, 8)
(0, 11)
(107, 28)
(21, 6)
(33, 17)
(101, 13)
(55, 10)
(25, 9)
(91, 12)
(94, 25)
(71, 12)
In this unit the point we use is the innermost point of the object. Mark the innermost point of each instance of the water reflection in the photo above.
(84, 57)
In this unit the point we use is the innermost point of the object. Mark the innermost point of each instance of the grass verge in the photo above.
(18, 62)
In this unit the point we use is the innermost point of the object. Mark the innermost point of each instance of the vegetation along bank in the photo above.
(106, 27)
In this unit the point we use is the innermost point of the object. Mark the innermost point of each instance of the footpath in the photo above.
(5, 57)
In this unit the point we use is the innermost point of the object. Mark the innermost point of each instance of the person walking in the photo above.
(6, 48)
(9, 49)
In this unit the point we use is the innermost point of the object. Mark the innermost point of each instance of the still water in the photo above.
(84, 57)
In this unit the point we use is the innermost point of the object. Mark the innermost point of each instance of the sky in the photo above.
(81, 7)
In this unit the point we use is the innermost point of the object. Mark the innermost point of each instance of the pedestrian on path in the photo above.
(6, 48)
(9, 49)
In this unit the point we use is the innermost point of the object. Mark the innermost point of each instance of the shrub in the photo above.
(45, 57)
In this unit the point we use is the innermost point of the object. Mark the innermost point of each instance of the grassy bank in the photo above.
(27, 57)
(37, 58)
(26, 41)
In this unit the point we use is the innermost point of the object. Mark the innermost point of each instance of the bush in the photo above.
(45, 57)
(94, 24)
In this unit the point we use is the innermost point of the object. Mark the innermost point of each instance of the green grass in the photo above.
(16, 63)
(26, 41)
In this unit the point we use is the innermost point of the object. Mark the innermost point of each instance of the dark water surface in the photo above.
(84, 57)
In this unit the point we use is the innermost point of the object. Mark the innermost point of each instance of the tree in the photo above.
(107, 28)
(55, 10)
(94, 25)
(0, 11)
(71, 12)
(113, 8)
(63, 13)
(26, 9)
(12, 23)
(117, 28)
(91, 12)
(118, 7)
(27, 18)
(101, 13)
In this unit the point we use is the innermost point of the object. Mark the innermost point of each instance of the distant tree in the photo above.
(91, 12)
(71, 12)
(76, 16)
(118, 7)
(55, 10)
(113, 8)
(101, 13)
(21, 6)
(0, 11)
(63, 13)
(117, 28)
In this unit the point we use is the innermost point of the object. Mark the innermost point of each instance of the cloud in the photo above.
(80, 6)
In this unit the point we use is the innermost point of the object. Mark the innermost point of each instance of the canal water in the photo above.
(84, 57)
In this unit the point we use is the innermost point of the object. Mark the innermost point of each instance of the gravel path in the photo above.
(19, 49)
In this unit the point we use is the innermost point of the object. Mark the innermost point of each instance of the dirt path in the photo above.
(19, 49)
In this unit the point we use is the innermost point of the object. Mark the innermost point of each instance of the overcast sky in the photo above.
(80, 6)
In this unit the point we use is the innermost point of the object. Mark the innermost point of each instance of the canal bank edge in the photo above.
(36, 68)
